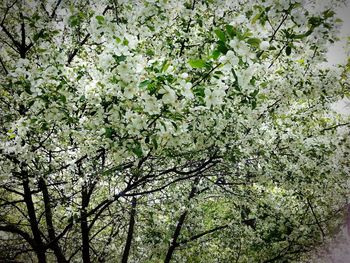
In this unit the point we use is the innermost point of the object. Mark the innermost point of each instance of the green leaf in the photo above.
(119, 59)
(222, 47)
(125, 42)
(216, 54)
(165, 66)
(328, 13)
(100, 19)
(246, 35)
(27, 89)
(44, 126)
(230, 31)
(199, 91)
(137, 150)
(254, 93)
(118, 40)
(288, 50)
(151, 28)
(74, 20)
(255, 42)
(188, 5)
(37, 36)
(338, 20)
(197, 63)
(12, 136)
(255, 18)
(150, 52)
(220, 34)
(36, 17)
(109, 132)
(315, 21)
(144, 83)
(254, 104)
(63, 98)
(174, 124)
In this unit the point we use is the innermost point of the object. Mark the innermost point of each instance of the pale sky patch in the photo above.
(339, 52)
(339, 250)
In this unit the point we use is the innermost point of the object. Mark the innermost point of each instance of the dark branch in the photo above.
(202, 234)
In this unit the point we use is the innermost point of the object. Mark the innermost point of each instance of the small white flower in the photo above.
(129, 92)
(169, 95)
(187, 92)
(132, 40)
(184, 75)
(264, 45)
(105, 59)
(231, 58)
(214, 98)
(151, 105)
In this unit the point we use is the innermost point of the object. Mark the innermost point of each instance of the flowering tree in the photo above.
(158, 130)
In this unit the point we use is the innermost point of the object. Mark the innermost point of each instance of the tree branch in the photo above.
(317, 221)
(180, 223)
(130, 231)
(3, 66)
(202, 234)
(13, 229)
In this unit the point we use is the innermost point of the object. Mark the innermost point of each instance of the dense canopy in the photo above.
(170, 131)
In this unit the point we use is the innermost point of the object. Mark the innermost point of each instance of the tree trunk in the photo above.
(176, 235)
(50, 228)
(84, 226)
(179, 224)
(39, 246)
(130, 231)
(41, 256)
